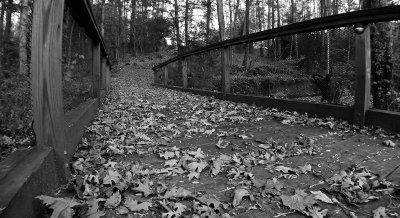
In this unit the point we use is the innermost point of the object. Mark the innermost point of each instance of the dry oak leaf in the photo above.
(114, 200)
(316, 212)
(134, 206)
(197, 154)
(62, 207)
(305, 169)
(196, 166)
(222, 143)
(239, 194)
(112, 176)
(93, 211)
(322, 197)
(143, 187)
(193, 174)
(380, 212)
(178, 193)
(299, 201)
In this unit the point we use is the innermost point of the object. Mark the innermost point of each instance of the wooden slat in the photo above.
(340, 20)
(96, 69)
(363, 76)
(184, 73)
(165, 75)
(46, 68)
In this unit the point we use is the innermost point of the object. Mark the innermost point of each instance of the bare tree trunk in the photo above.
(187, 20)
(103, 8)
(260, 14)
(176, 22)
(119, 5)
(3, 8)
(23, 58)
(7, 34)
(208, 19)
(133, 28)
(247, 31)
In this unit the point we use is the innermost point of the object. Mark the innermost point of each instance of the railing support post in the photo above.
(363, 76)
(226, 71)
(46, 69)
(96, 69)
(184, 73)
(165, 75)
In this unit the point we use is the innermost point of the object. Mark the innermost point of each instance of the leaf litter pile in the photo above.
(153, 152)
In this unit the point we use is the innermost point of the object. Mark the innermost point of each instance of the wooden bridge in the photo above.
(28, 173)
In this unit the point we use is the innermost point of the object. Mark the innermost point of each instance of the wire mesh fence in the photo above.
(15, 89)
(313, 67)
(76, 63)
(204, 71)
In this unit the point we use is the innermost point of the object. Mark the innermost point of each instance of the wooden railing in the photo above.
(359, 114)
(28, 173)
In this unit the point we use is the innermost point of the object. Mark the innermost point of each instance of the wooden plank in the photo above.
(96, 69)
(77, 120)
(35, 174)
(313, 109)
(387, 120)
(363, 76)
(46, 68)
(340, 20)
(184, 73)
(165, 75)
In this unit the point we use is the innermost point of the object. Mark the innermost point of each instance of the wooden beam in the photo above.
(96, 69)
(363, 76)
(184, 73)
(165, 75)
(46, 69)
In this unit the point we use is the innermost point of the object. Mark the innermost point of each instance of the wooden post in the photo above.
(106, 73)
(225, 57)
(363, 76)
(96, 69)
(46, 69)
(165, 75)
(226, 71)
(184, 73)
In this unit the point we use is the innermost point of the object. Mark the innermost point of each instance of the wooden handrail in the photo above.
(83, 15)
(340, 20)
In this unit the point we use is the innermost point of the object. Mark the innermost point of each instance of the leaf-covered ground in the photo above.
(153, 152)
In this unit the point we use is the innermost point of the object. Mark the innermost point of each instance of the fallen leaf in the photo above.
(380, 212)
(114, 200)
(222, 143)
(299, 201)
(134, 206)
(62, 207)
(93, 211)
(239, 194)
(316, 212)
(305, 169)
(322, 197)
(177, 193)
(143, 187)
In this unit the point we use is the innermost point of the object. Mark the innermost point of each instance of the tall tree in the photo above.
(187, 21)
(176, 23)
(133, 28)
(208, 18)
(247, 32)
(23, 58)
(381, 57)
